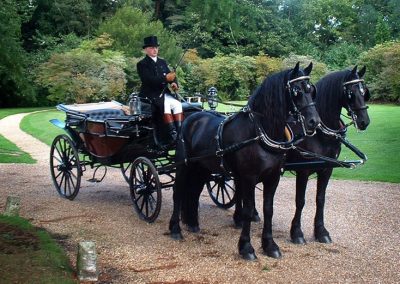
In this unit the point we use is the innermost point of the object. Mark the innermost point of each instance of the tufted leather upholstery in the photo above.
(103, 114)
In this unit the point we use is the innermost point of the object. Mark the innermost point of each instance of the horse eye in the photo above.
(296, 90)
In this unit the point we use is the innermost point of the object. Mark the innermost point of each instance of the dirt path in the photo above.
(9, 128)
(363, 219)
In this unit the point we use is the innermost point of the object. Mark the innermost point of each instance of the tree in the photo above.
(14, 88)
(342, 55)
(383, 71)
(129, 26)
(89, 73)
(382, 31)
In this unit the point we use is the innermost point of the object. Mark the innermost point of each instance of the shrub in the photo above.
(319, 68)
(86, 74)
(383, 71)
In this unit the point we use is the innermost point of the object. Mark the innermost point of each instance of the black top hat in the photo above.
(150, 41)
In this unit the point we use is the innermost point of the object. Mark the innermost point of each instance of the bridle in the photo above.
(349, 96)
(297, 112)
(262, 135)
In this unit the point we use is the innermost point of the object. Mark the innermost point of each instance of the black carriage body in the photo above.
(107, 135)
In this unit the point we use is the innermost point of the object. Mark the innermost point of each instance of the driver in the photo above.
(155, 76)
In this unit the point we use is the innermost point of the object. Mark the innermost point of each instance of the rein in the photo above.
(263, 137)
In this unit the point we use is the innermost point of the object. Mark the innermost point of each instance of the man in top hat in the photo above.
(155, 76)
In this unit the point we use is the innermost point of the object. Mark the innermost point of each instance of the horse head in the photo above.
(355, 95)
(301, 94)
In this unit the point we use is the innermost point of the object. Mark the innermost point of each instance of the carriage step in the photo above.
(94, 180)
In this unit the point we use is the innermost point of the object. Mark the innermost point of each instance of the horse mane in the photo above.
(330, 95)
(269, 99)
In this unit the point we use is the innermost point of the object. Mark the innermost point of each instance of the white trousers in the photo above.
(171, 105)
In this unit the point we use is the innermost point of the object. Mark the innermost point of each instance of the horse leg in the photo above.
(196, 178)
(246, 250)
(320, 232)
(179, 186)
(269, 246)
(296, 233)
(238, 214)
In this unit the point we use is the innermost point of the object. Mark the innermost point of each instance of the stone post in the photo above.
(12, 206)
(87, 261)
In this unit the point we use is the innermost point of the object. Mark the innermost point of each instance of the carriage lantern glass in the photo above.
(212, 98)
(135, 104)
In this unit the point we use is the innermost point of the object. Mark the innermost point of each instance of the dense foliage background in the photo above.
(86, 50)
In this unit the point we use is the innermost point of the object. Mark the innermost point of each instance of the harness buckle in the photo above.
(219, 153)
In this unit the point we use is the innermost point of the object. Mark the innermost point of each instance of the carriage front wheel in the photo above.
(145, 189)
(65, 168)
(221, 189)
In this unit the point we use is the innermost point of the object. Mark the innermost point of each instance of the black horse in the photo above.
(342, 89)
(250, 145)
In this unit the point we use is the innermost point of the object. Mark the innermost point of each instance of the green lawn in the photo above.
(9, 152)
(380, 142)
(9, 111)
(38, 125)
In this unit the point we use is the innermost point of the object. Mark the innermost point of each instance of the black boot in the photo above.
(172, 133)
(178, 126)
(178, 118)
(171, 130)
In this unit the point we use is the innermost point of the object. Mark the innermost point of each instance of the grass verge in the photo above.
(380, 142)
(38, 125)
(30, 255)
(10, 153)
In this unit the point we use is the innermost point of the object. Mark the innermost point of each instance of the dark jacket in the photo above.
(154, 84)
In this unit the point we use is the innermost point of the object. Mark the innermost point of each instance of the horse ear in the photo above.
(362, 72)
(308, 69)
(296, 68)
(354, 70)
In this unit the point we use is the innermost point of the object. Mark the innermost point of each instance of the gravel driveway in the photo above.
(363, 219)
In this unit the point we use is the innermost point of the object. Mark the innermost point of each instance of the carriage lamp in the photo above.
(212, 98)
(135, 104)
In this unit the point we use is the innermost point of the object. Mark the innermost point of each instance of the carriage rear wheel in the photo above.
(65, 168)
(145, 188)
(221, 189)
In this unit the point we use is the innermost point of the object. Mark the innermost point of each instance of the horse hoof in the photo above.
(193, 229)
(325, 239)
(249, 256)
(256, 219)
(274, 254)
(299, 241)
(176, 236)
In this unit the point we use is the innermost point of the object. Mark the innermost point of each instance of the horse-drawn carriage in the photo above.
(106, 134)
(103, 134)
